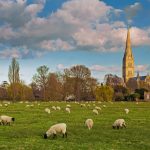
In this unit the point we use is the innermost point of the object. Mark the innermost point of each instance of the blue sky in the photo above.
(63, 33)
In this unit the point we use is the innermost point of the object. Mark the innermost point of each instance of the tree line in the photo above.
(75, 83)
(49, 86)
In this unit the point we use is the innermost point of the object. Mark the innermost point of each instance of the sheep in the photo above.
(104, 106)
(6, 119)
(95, 111)
(119, 123)
(89, 123)
(68, 110)
(53, 107)
(126, 110)
(47, 110)
(58, 108)
(98, 108)
(57, 128)
(83, 105)
(69, 106)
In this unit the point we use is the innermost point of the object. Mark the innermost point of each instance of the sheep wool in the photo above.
(68, 110)
(119, 123)
(6, 120)
(55, 129)
(89, 123)
(69, 106)
(95, 111)
(53, 107)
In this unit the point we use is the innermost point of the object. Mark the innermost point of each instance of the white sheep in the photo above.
(69, 106)
(47, 110)
(98, 108)
(119, 123)
(53, 107)
(68, 110)
(6, 119)
(95, 111)
(83, 105)
(126, 110)
(104, 106)
(89, 123)
(57, 128)
(58, 108)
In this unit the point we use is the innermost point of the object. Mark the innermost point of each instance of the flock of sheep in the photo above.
(62, 127)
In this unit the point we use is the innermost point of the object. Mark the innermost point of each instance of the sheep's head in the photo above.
(13, 119)
(45, 136)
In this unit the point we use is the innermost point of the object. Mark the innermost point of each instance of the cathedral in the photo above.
(128, 69)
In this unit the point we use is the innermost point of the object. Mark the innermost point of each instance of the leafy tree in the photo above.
(41, 78)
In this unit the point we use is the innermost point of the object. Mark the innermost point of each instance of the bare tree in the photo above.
(41, 78)
(13, 76)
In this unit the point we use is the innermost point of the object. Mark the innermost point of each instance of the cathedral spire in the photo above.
(128, 60)
(128, 50)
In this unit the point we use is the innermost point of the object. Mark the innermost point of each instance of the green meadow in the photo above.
(26, 133)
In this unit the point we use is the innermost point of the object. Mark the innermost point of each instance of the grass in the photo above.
(27, 131)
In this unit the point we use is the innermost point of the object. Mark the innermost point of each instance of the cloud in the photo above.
(132, 10)
(100, 68)
(142, 68)
(69, 28)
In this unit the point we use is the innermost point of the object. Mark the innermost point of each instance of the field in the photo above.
(26, 133)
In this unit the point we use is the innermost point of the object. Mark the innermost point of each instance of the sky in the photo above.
(64, 33)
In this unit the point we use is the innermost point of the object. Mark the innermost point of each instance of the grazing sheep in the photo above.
(47, 110)
(1, 105)
(83, 105)
(68, 110)
(98, 108)
(58, 108)
(6, 120)
(104, 106)
(69, 106)
(57, 128)
(89, 123)
(126, 110)
(95, 111)
(88, 105)
(119, 123)
(53, 107)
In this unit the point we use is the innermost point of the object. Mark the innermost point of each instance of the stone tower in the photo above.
(128, 60)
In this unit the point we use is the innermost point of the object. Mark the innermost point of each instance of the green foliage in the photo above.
(104, 93)
(31, 123)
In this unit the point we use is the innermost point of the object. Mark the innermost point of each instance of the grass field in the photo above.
(27, 131)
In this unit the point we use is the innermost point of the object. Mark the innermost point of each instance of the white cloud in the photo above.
(100, 68)
(77, 25)
(142, 68)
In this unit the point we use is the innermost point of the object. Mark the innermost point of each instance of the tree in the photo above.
(13, 75)
(41, 78)
(104, 93)
(77, 81)
(54, 87)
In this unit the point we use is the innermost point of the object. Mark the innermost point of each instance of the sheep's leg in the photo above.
(66, 134)
(124, 125)
(54, 135)
(117, 127)
(63, 135)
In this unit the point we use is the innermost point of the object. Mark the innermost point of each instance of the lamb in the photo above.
(68, 110)
(55, 129)
(119, 123)
(83, 105)
(95, 111)
(89, 123)
(126, 110)
(6, 120)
